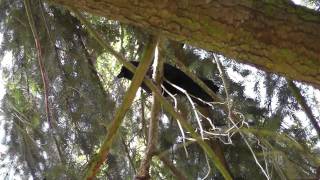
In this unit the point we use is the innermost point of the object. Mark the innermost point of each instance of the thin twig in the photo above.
(192, 105)
(40, 59)
(178, 122)
(230, 116)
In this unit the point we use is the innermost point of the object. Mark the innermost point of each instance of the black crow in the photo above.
(178, 78)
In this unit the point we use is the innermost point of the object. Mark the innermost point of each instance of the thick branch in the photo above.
(97, 161)
(155, 112)
(276, 36)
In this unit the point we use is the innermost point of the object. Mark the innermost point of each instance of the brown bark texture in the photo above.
(276, 36)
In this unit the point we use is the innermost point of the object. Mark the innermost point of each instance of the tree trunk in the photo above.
(276, 36)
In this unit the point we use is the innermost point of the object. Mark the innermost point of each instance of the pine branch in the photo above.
(143, 118)
(44, 75)
(40, 59)
(126, 149)
(143, 172)
(303, 103)
(232, 118)
(175, 171)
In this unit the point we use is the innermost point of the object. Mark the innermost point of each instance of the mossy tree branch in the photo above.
(276, 36)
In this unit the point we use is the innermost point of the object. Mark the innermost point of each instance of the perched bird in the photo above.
(178, 78)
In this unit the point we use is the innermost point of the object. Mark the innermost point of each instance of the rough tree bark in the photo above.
(276, 36)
